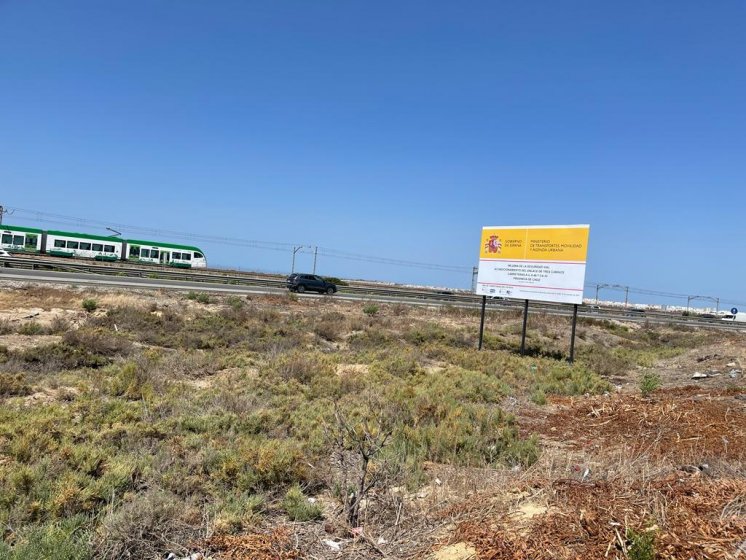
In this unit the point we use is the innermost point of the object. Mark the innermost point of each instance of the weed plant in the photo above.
(227, 413)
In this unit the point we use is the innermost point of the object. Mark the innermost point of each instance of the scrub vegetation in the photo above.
(157, 424)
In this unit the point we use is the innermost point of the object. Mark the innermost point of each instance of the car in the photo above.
(300, 283)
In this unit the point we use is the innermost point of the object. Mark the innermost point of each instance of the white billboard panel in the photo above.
(542, 263)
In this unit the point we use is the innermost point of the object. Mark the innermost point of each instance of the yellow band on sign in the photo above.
(569, 244)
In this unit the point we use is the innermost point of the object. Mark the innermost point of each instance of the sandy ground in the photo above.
(671, 464)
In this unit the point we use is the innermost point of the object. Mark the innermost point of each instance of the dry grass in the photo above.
(158, 423)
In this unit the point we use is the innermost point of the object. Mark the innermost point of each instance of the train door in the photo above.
(165, 257)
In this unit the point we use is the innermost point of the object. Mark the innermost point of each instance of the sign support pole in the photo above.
(572, 336)
(481, 323)
(523, 334)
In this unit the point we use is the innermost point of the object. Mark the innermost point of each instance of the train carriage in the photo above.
(17, 239)
(170, 254)
(83, 246)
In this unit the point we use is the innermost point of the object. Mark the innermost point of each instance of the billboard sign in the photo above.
(542, 263)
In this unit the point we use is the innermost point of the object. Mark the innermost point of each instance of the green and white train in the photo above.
(17, 239)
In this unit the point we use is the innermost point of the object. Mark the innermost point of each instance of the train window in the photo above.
(145, 253)
(153, 254)
(108, 248)
(59, 243)
(18, 240)
(85, 246)
(72, 244)
(7, 239)
(199, 256)
(134, 251)
(31, 241)
(98, 247)
(176, 256)
(186, 256)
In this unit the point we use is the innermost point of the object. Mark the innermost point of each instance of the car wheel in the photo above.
(301, 289)
(330, 290)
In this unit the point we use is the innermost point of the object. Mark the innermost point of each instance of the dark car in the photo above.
(635, 312)
(310, 283)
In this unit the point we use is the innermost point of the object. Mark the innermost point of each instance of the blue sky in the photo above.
(395, 129)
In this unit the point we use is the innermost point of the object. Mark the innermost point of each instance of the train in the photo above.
(25, 240)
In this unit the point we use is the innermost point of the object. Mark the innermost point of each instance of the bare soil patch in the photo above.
(22, 341)
(682, 424)
(704, 519)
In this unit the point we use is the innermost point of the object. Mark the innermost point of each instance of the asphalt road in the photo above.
(129, 282)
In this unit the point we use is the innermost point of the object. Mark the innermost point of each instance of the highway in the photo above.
(23, 269)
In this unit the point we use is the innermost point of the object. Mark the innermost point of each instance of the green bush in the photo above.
(203, 298)
(649, 383)
(90, 305)
(565, 379)
(641, 545)
(235, 303)
(370, 309)
(67, 539)
(199, 297)
(31, 328)
(539, 397)
(298, 507)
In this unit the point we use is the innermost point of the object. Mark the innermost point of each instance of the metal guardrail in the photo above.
(356, 288)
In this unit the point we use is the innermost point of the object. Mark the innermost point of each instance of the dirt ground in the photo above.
(615, 469)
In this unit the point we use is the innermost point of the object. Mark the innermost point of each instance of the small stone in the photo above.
(332, 544)
(699, 375)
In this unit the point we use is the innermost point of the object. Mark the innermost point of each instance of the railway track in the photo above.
(211, 280)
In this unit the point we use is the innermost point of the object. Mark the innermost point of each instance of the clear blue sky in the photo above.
(384, 128)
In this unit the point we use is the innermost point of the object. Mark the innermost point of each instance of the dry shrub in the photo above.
(146, 526)
(54, 357)
(330, 326)
(13, 385)
(31, 328)
(59, 325)
(98, 341)
(157, 328)
(302, 367)
(189, 364)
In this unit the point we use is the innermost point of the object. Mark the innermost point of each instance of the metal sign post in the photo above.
(525, 322)
(572, 336)
(481, 323)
